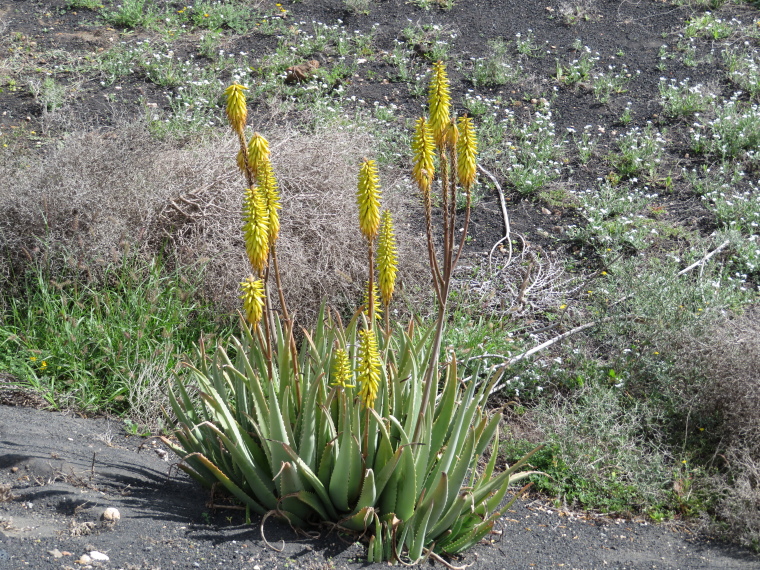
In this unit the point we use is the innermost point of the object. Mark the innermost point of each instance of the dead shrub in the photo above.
(728, 357)
(738, 511)
(101, 193)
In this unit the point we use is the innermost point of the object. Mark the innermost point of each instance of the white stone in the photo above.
(95, 555)
(111, 515)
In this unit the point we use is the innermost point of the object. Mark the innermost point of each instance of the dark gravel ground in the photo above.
(58, 473)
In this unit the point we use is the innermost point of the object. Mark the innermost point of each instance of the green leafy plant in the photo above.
(682, 100)
(497, 68)
(358, 6)
(132, 14)
(639, 153)
(356, 427)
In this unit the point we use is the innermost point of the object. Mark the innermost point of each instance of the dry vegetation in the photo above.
(103, 194)
(729, 356)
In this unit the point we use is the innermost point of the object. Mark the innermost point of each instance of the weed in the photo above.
(602, 452)
(526, 44)
(585, 144)
(531, 157)
(358, 6)
(132, 14)
(733, 133)
(639, 153)
(743, 69)
(89, 343)
(575, 11)
(681, 100)
(626, 118)
(239, 17)
(611, 82)
(429, 40)
(708, 26)
(497, 68)
(578, 69)
(93, 5)
(48, 93)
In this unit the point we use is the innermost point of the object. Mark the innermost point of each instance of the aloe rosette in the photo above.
(361, 427)
(302, 460)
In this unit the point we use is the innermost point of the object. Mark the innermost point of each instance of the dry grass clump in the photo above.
(729, 357)
(101, 193)
(84, 200)
(524, 285)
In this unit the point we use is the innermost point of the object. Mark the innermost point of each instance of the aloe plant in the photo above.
(360, 426)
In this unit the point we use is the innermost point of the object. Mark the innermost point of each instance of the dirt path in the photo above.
(61, 472)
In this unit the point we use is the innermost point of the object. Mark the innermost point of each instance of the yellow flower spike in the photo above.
(368, 199)
(368, 372)
(439, 101)
(451, 135)
(467, 150)
(423, 148)
(256, 228)
(269, 189)
(375, 300)
(241, 161)
(341, 370)
(387, 262)
(237, 111)
(258, 152)
(253, 299)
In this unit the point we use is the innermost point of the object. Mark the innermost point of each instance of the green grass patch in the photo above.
(92, 344)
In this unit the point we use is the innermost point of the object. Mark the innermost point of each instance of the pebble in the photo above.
(111, 515)
(99, 556)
